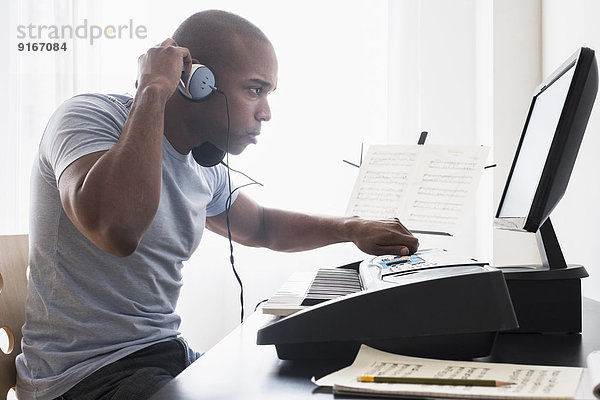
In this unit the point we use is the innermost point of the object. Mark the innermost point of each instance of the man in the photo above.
(118, 203)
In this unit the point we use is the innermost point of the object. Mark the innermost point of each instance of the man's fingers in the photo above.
(401, 225)
(187, 61)
(397, 250)
(168, 42)
(163, 64)
(395, 242)
(183, 51)
(402, 249)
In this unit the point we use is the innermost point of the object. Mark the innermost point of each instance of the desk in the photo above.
(237, 368)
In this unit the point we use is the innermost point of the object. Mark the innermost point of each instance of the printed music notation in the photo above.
(428, 187)
(528, 381)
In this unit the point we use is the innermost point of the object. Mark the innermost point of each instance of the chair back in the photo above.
(14, 254)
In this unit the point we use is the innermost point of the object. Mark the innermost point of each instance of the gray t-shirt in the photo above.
(87, 308)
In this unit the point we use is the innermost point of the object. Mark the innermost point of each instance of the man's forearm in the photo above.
(288, 231)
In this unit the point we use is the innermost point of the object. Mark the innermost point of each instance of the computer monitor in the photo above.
(544, 159)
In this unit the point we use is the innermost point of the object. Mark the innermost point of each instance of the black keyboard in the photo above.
(330, 283)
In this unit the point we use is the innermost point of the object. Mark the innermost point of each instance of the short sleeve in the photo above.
(220, 184)
(82, 125)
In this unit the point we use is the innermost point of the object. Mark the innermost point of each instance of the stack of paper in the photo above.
(528, 381)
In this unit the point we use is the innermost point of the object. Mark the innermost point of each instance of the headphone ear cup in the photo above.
(207, 154)
(201, 82)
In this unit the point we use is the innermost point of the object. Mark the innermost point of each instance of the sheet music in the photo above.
(384, 175)
(429, 187)
(531, 381)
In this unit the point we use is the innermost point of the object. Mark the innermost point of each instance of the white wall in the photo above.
(516, 71)
(566, 27)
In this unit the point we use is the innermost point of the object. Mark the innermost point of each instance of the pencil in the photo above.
(433, 381)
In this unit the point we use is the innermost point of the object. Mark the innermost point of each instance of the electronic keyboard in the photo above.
(429, 304)
(304, 289)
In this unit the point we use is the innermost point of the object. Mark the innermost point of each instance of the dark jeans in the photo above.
(137, 376)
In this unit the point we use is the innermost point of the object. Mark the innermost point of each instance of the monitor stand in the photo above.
(547, 297)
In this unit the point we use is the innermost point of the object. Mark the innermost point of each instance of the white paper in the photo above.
(428, 187)
(593, 363)
(384, 175)
(531, 381)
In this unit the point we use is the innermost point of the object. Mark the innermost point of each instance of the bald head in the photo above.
(211, 36)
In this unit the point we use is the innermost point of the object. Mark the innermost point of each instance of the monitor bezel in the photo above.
(565, 143)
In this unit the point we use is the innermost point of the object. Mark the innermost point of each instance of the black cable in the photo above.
(228, 205)
(254, 182)
(259, 303)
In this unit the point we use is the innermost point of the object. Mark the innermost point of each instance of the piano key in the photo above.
(306, 289)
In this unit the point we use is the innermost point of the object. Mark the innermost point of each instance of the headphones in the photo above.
(197, 86)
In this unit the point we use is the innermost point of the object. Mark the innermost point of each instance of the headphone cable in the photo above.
(228, 203)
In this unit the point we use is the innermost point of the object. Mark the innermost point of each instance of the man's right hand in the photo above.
(161, 66)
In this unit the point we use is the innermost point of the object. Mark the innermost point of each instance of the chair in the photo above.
(13, 292)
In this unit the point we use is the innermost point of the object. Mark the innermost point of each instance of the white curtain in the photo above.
(29, 81)
(36, 82)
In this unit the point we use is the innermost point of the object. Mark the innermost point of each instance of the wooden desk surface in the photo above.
(237, 368)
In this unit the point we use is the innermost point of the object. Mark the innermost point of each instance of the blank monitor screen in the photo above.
(529, 165)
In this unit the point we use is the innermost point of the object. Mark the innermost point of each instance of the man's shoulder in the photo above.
(99, 102)
(90, 110)
(82, 124)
